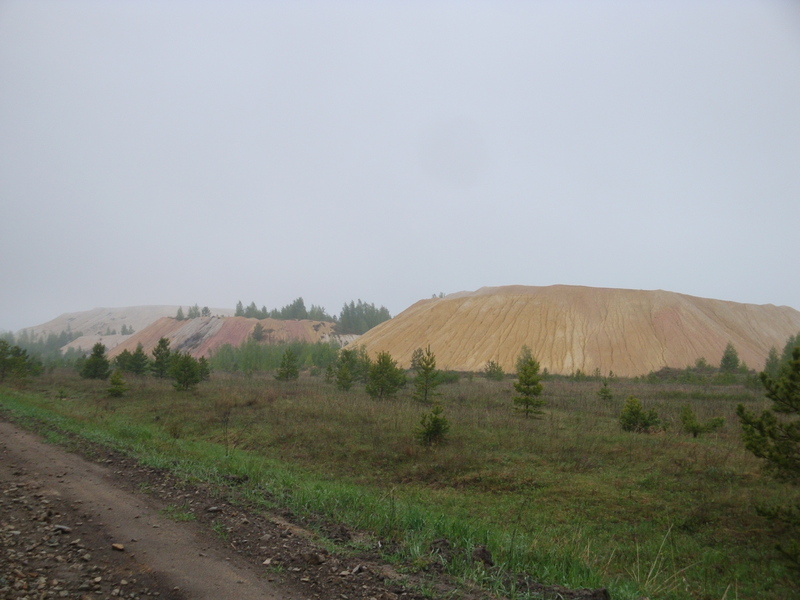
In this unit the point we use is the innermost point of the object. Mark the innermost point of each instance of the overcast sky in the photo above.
(208, 152)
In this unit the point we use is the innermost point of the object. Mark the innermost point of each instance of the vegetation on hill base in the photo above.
(288, 369)
(46, 350)
(385, 377)
(663, 516)
(117, 385)
(634, 418)
(433, 427)
(16, 364)
(775, 437)
(426, 378)
(694, 427)
(493, 371)
(252, 357)
(528, 387)
(354, 318)
(96, 366)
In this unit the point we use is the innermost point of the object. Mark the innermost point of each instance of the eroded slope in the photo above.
(629, 332)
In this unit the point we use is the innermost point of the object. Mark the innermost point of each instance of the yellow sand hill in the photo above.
(629, 332)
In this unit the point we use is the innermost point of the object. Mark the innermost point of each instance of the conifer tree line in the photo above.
(194, 312)
(183, 368)
(354, 318)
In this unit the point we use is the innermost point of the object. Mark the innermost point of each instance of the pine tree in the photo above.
(97, 365)
(416, 356)
(363, 365)
(123, 360)
(773, 363)
(344, 380)
(179, 315)
(385, 377)
(730, 360)
(427, 377)
(205, 368)
(690, 424)
(117, 387)
(185, 370)
(604, 393)
(524, 356)
(161, 358)
(775, 437)
(493, 371)
(288, 369)
(239, 309)
(138, 363)
(433, 427)
(529, 387)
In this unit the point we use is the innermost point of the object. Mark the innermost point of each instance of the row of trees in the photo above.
(354, 318)
(186, 370)
(251, 356)
(16, 363)
(46, 349)
(295, 310)
(194, 312)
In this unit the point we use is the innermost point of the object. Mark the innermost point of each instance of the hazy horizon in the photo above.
(177, 152)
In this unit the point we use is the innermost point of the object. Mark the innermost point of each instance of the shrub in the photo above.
(604, 393)
(634, 418)
(97, 365)
(433, 427)
(691, 425)
(185, 369)
(493, 371)
(117, 387)
(385, 377)
(288, 370)
(529, 387)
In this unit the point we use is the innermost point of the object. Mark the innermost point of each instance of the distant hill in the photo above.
(201, 336)
(96, 324)
(629, 332)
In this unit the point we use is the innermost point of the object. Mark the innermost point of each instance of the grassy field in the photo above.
(570, 499)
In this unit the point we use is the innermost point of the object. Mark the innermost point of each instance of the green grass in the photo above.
(569, 499)
(178, 513)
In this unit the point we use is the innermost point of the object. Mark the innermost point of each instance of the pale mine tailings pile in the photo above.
(629, 332)
(203, 335)
(95, 323)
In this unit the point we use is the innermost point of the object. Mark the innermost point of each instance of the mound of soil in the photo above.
(629, 332)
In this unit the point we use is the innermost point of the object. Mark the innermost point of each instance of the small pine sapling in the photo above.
(691, 425)
(427, 377)
(634, 418)
(344, 379)
(288, 369)
(493, 371)
(529, 387)
(117, 385)
(604, 393)
(433, 427)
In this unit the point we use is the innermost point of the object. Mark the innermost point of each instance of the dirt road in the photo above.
(104, 526)
(83, 531)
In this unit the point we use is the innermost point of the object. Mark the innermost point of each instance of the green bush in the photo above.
(433, 427)
(493, 371)
(691, 425)
(634, 418)
(117, 385)
(97, 365)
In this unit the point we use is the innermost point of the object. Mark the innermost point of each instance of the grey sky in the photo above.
(207, 152)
